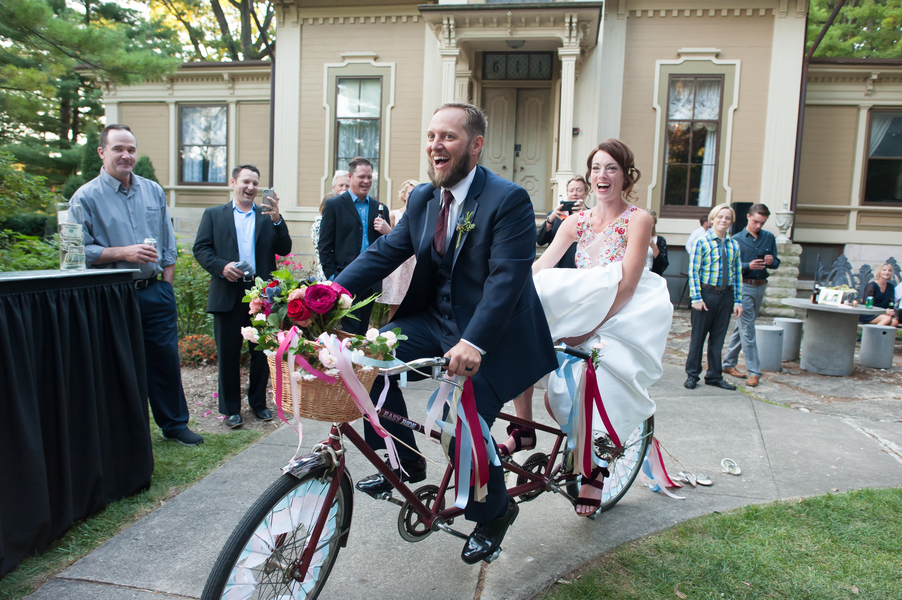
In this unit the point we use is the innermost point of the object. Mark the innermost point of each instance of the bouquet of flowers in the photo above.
(297, 320)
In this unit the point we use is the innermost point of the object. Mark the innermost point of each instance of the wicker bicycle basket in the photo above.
(319, 400)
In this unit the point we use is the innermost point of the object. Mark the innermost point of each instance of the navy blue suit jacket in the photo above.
(492, 292)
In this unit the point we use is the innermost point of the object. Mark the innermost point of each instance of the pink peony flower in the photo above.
(255, 306)
(320, 298)
(297, 294)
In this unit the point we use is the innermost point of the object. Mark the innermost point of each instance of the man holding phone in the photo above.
(758, 252)
(577, 190)
(235, 243)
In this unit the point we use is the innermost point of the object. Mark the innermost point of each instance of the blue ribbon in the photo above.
(565, 361)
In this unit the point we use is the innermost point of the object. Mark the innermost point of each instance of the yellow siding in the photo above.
(399, 43)
(203, 199)
(745, 38)
(819, 219)
(828, 155)
(150, 124)
(253, 138)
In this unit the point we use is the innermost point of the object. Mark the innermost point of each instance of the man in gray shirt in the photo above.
(121, 211)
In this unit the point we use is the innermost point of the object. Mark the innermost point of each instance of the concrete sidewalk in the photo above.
(783, 453)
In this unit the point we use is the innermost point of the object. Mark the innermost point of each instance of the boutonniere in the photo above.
(464, 226)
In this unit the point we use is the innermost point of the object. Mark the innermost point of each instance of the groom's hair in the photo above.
(475, 123)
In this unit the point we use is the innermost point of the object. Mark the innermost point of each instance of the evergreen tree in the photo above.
(862, 29)
(144, 168)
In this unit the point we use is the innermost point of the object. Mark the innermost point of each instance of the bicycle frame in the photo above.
(549, 479)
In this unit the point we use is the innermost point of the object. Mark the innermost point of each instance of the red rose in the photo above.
(272, 283)
(297, 311)
(320, 298)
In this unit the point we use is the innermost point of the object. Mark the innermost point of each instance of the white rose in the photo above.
(345, 302)
(390, 339)
(333, 372)
(326, 358)
(250, 334)
(259, 317)
(309, 377)
(372, 334)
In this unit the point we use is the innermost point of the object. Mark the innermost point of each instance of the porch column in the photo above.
(449, 73)
(287, 107)
(568, 58)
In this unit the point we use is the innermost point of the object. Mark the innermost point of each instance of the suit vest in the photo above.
(441, 303)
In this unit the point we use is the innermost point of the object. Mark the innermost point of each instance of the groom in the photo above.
(471, 298)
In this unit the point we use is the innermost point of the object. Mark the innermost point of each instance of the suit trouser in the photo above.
(426, 339)
(227, 330)
(159, 321)
(744, 332)
(711, 324)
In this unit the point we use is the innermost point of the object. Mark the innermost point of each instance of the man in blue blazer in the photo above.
(471, 297)
(228, 234)
(341, 235)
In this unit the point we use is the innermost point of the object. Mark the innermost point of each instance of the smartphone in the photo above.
(567, 206)
(267, 198)
(243, 266)
(760, 256)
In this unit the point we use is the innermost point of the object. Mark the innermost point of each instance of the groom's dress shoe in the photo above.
(721, 384)
(377, 484)
(486, 538)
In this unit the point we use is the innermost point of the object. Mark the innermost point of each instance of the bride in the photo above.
(611, 300)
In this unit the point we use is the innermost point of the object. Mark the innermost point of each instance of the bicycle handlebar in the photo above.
(438, 363)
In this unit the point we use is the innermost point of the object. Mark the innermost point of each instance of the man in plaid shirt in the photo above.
(715, 288)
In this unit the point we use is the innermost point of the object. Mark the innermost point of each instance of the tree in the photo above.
(207, 26)
(52, 54)
(144, 168)
(862, 29)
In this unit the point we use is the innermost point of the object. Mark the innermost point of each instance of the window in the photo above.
(203, 135)
(693, 134)
(358, 121)
(498, 66)
(883, 179)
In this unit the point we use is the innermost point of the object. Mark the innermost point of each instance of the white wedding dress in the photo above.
(577, 300)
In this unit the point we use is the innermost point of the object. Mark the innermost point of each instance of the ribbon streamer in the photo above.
(654, 474)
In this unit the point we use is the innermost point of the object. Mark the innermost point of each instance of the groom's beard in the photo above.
(460, 169)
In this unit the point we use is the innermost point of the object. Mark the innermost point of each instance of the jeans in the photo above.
(744, 332)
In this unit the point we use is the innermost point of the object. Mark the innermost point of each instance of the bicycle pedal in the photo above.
(488, 559)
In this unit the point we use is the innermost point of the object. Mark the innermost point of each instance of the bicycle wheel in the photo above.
(624, 465)
(256, 562)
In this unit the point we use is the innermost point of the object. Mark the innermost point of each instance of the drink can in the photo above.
(151, 242)
(869, 302)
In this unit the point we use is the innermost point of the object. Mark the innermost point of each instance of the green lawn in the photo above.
(175, 468)
(829, 547)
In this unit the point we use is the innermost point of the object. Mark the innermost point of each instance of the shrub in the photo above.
(144, 168)
(197, 350)
(33, 224)
(27, 253)
(192, 283)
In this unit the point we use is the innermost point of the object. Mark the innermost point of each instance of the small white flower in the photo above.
(333, 372)
(259, 317)
(270, 353)
(390, 339)
(367, 368)
(326, 358)
(345, 302)
(296, 375)
(372, 334)
(250, 334)
(309, 377)
(599, 345)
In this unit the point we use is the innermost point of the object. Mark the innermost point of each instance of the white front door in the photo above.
(517, 140)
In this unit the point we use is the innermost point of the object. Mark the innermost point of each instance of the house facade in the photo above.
(705, 92)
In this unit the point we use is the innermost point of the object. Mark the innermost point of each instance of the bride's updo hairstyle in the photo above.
(621, 153)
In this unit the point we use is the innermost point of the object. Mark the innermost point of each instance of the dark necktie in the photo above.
(439, 240)
(724, 264)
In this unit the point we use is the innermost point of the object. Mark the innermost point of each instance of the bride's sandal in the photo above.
(524, 438)
(595, 480)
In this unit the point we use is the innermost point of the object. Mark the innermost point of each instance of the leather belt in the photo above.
(716, 288)
(141, 284)
(754, 281)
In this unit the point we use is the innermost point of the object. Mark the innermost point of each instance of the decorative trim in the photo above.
(358, 20)
(699, 53)
(358, 56)
(728, 137)
(386, 157)
(698, 12)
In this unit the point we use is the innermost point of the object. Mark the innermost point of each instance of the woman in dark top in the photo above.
(884, 293)
(656, 260)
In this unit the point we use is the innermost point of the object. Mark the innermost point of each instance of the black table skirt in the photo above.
(74, 428)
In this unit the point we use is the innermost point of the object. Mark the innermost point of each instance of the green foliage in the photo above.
(175, 467)
(144, 168)
(53, 54)
(27, 253)
(862, 29)
(21, 192)
(197, 350)
(34, 224)
(191, 285)
(830, 547)
(221, 30)
(89, 165)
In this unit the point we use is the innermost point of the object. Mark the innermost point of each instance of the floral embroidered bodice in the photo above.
(599, 249)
